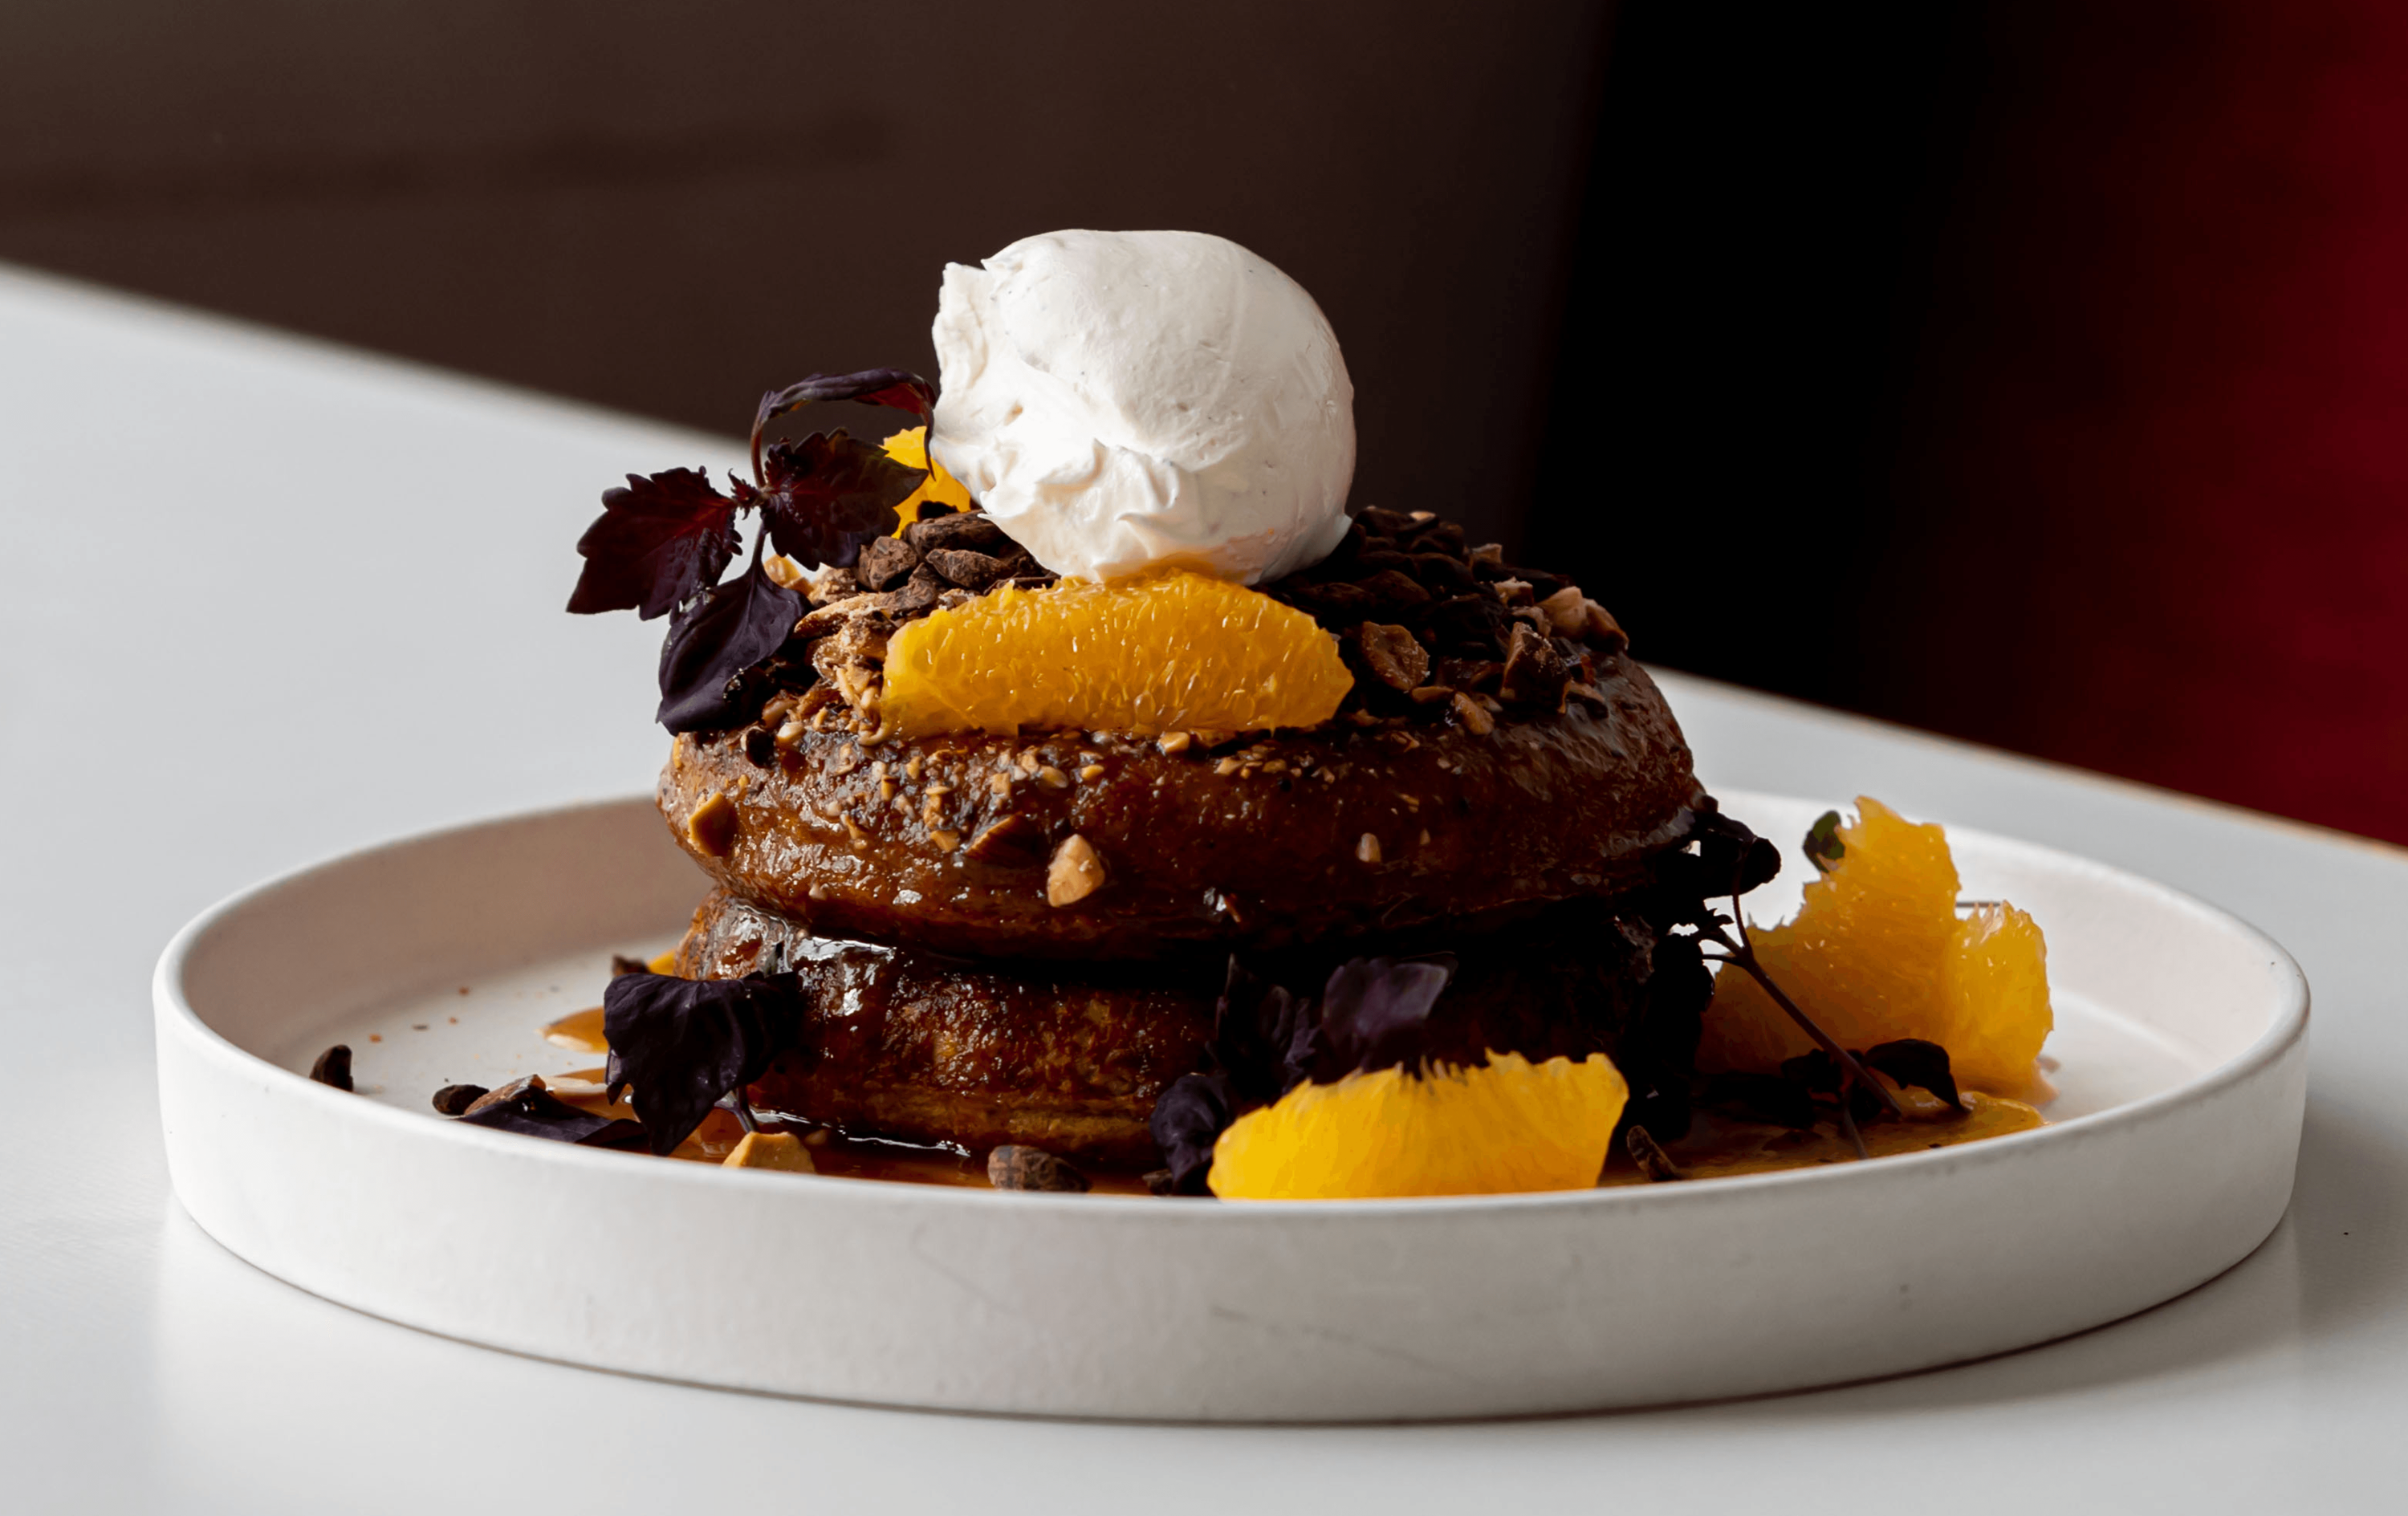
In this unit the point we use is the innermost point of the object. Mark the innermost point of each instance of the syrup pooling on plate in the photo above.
(1717, 1147)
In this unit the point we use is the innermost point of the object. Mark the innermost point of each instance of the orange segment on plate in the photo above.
(1877, 953)
(1181, 653)
(910, 447)
(1502, 1128)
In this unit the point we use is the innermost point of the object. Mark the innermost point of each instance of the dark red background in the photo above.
(2032, 372)
(2046, 370)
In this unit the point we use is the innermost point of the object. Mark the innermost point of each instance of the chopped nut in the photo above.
(1030, 761)
(1368, 849)
(781, 1151)
(1092, 772)
(1052, 777)
(334, 1066)
(1600, 627)
(999, 784)
(932, 809)
(791, 734)
(1013, 842)
(1173, 741)
(1394, 655)
(1226, 766)
(712, 828)
(1535, 674)
(455, 1099)
(1075, 873)
(511, 1091)
(885, 789)
(1425, 838)
(831, 585)
(775, 711)
(854, 832)
(1276, 766)
(1473, 716)
(912, 767)
(1566, 609)
(1431, 695)
(1650, 1156)
(945, 841)
(1015, 1167)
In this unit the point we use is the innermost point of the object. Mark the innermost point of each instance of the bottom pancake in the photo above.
(905, 1043)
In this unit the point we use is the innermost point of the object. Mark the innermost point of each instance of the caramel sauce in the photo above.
(1718, 1148)
(1715, 1147)
(582, 1032)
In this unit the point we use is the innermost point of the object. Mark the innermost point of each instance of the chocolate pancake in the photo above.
(909, 1043)
(1348, 830)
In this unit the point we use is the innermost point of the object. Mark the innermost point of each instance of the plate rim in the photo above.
(173, 1008)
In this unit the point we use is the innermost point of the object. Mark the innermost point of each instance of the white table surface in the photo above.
(267, 601)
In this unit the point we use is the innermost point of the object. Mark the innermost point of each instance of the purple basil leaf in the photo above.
(533, 1113)
(1727, 860)
(712, 642)
(1257, 1028)
(1814, 1071)
(657, 544)
(1914, 1062)
(824, 496)
(685, 1043)
(1188, 1119)
(1375, 1014)
(893, 388)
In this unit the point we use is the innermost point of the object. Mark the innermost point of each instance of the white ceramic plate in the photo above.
(2181, 1039)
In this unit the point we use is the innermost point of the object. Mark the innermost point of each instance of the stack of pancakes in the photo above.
(1021, 940)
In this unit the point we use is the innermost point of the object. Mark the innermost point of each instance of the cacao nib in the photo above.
(885, 563)
(970, 529)
(1393, 655)
(966, 567)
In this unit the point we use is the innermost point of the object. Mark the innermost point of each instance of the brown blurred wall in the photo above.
(670, 208)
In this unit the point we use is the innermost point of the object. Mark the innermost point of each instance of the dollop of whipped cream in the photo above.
(1127, 401)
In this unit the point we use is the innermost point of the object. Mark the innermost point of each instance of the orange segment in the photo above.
(1175, 654)
(1877, 953)
(1994, 997)
(910, 447)
(1502, 1128)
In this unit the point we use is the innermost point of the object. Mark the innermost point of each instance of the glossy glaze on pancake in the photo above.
(944, 842)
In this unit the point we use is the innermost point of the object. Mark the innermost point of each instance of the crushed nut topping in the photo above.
(712, 827)
(1076, 872)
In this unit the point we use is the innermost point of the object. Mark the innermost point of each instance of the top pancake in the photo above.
(1343, 831)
